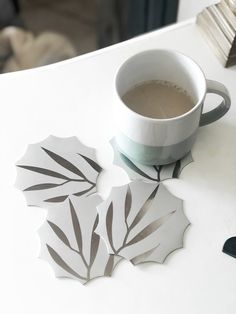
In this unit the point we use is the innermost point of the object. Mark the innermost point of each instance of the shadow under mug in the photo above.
(152, 141)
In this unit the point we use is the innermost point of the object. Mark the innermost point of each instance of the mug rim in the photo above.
(173, 52)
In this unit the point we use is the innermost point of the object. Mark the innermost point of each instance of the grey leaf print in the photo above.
(158, 171)
(46, 172)
(64, 163)
(109, 266)
(128, 202)
(57, 199)
(144, 208)
(177, 169)
(92, 163)
(94, 248)
(139, 258)
(132, 166)
(95, 239)
(43, 186)
(61, 235)
(76, 226)
(84, 191)
(109, 220)
(57, 259)
(148, 230)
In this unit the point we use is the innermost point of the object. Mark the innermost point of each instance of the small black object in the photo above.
(230, 247)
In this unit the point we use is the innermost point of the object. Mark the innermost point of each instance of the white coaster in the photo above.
(142, 222)
(56, 168)
(69, 243)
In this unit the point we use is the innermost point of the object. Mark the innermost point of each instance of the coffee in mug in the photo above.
(158, 99)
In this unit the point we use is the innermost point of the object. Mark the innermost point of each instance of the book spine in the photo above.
(217, 32)
(222, 22)
(225, 9)
(202, 23)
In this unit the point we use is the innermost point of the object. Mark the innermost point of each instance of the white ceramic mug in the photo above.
(153, 141)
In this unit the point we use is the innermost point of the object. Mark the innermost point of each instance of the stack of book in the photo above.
(232, 5)
(218, 25)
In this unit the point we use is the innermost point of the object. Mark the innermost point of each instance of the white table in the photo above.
(74, 98)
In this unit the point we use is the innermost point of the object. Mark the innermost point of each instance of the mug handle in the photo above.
(215, 114)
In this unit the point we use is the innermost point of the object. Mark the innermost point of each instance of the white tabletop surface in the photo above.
(75, 98)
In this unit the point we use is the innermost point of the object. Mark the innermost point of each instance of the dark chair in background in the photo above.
(9, 13)
(89, 25)
(134, 17)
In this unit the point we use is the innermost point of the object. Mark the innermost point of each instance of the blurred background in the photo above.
(39, 32)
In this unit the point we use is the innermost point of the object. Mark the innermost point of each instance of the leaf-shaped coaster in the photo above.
(54, 169)
(230, 247)
(142, 222)
(137, 171)
(69, 243)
